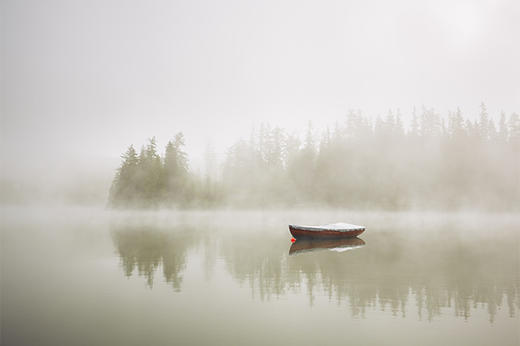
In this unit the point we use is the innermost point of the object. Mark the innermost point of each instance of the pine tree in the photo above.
(492, 131)
(503, 131)
(123, 190)
(273, 149)
(456, 126)
(150, 175)
(483, 124)
(415, 124)
(399, 128)
(175, 170)
(514, 131)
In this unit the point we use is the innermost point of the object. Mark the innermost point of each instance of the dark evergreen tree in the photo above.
(150, 175)
(176, 170)
(123, 191)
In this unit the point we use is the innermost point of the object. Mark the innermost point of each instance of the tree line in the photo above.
(149, 180)
(435, 162)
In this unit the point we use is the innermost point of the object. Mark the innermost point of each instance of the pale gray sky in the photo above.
(82, 80)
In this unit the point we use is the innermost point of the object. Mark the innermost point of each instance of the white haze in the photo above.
(81, 80)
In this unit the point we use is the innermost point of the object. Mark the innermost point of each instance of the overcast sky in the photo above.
(82, 80)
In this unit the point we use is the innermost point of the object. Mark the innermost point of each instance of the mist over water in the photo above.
(107, 277)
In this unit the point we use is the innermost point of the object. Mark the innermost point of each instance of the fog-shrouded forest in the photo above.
(435, 161)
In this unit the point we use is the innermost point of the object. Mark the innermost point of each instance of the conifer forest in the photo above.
(434, 161)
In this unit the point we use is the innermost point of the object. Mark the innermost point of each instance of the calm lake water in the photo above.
(93, 277)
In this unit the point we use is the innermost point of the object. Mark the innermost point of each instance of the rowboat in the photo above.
(336, 245)
(335, 230)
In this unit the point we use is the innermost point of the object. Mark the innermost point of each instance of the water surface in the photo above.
(94, 277)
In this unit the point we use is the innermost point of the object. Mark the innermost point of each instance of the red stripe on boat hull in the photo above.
(299, 233)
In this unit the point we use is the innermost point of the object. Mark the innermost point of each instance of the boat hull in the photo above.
(301, 233)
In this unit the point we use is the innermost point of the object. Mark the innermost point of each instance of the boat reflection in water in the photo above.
(338, 245)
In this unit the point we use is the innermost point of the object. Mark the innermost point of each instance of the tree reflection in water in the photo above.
(389, 273)
(146, 248)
